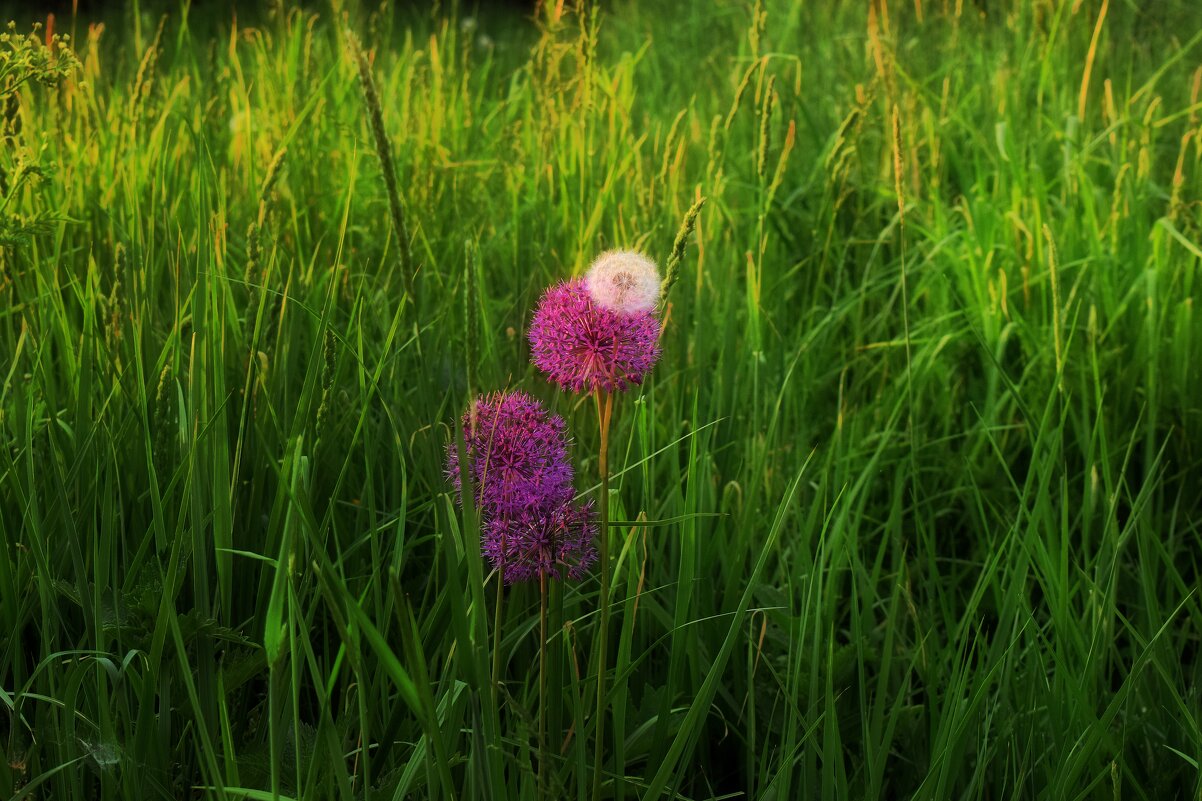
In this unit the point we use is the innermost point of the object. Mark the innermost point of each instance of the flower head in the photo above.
(624, 282)
(554, 543)
(583, 346)
(518, 452)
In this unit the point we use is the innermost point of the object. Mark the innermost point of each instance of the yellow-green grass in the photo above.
(911, 507)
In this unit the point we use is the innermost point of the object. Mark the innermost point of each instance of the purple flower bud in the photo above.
(583, 346)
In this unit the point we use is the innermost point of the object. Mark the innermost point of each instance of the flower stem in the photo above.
(542, 687)
(604, 411)
(496, 642)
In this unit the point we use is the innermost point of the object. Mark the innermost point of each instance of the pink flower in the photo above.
(584, 347)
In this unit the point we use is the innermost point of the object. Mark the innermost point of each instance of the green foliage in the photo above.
(910, 509)
(25, 59)
(29, 57)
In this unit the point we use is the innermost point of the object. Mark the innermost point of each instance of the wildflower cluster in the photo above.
(26, 57)
(594, 334)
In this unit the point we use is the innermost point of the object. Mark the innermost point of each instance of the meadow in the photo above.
(910, 506)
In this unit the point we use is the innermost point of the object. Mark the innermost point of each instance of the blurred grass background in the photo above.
(911, 506)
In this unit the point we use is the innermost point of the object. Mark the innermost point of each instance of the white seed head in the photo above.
(623, 281)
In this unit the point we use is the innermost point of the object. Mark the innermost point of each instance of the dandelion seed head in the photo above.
(518, 453)
(536, 543)
(583, 346)
(624, 282)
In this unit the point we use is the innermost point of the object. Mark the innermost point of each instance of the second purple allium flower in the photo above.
(518, 452)
(583, 346)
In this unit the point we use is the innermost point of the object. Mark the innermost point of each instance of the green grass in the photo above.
(910, 508)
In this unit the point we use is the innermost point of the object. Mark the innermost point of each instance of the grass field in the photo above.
(911, 506)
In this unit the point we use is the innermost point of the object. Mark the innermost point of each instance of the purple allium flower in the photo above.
(555, 542)
(519, 454)
(584, 347)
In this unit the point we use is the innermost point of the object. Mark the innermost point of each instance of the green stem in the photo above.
(496, 641)
(604, 410)
(542, 687)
